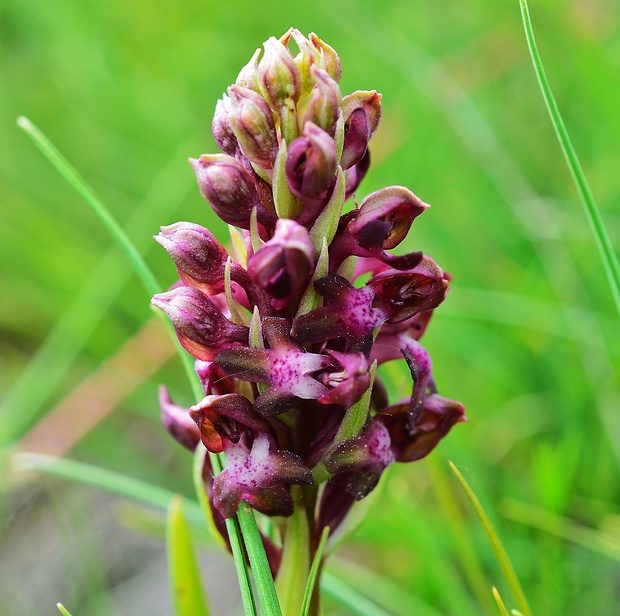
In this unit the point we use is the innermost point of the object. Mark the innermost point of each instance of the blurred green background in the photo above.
(528, 338)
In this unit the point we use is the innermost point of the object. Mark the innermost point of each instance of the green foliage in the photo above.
(185, 583)
(525, 339)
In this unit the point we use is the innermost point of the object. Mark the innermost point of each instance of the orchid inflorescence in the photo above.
(286, 337)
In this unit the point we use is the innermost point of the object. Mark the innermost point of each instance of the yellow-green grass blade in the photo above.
(500, 553)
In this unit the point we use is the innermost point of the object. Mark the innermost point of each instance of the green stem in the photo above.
(610, 260)
(295, 565)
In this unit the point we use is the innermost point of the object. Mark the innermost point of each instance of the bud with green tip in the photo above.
(278, 75)
(252, 123)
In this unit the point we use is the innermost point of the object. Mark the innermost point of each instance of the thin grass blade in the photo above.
(500, 602)
(349, 598)
(98, 477)
(590, 538)
(187, 593)
(500, 553)
(314, 571)
(63, 610)
(609, 257)
(70, 174)
(265, 588)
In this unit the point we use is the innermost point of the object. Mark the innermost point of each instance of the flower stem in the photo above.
(295, 565)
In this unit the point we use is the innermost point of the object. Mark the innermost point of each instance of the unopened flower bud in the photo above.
(201, 328)
(227, 186)
(384, 217)
(252, 122)
(359, 128)
(324, 106)
(222, 130)
(278, 75)
(199, 257)
(247, 75)
(311, 163)
(305, 59)
(284, 264)
(329, 58)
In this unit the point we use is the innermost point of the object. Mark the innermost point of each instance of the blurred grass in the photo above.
(527, 339)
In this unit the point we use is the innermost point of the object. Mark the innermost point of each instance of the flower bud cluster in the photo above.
(286, 337)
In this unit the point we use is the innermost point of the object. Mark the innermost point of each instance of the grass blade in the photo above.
(610, 260)
(314, 571)
(500, 602)
(265, 588)
(187, 593)
(66, 169)
(590, 538)
(500, 553)
(63, 610)
(98, 477)
(348, 598)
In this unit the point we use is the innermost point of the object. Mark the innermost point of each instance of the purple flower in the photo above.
(177, 421)
(348, 313)
(436, 418)
(257, 473)
(225, 417)
(228, 187)
(405, 293)
(286, 326)
(285, 367)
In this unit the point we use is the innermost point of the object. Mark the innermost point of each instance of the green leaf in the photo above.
(500, 553)
(187, 593)
(610, 260)
(287, 206)
(314, 571)
(63, 610)
(311, 299)
(470, 560)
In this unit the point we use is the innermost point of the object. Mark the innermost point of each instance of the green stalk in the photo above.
(295, 565)
(610, 260)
